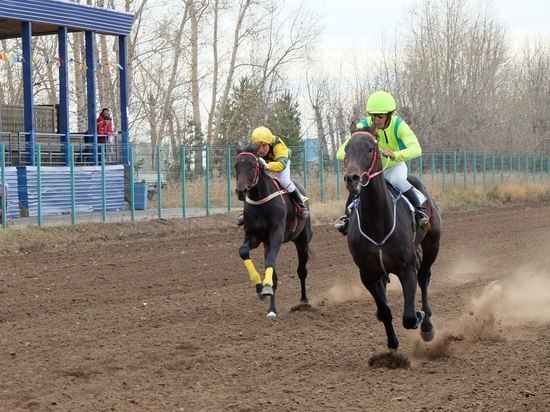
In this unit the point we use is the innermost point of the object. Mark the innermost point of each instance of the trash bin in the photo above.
(140, 195)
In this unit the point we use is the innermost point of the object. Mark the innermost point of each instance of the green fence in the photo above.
(205, 175)
(191, 181)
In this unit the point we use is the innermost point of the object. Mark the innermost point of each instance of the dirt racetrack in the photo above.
(149, 317)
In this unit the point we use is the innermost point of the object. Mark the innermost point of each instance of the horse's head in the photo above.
(247, 170)
(362, 161)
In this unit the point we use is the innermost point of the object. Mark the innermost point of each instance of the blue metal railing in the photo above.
(19, 149)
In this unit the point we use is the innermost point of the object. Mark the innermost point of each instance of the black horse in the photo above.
(383, 237)
(271, 218)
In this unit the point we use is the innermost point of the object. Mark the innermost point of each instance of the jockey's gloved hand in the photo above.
(263, 163)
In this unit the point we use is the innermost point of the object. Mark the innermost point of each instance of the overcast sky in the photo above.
(354, 24)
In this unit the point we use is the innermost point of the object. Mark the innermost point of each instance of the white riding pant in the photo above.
(284, 178)
(397, 176)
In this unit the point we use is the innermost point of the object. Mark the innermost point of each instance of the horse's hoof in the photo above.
(267, 291)
(427, 336)
(271, 315)
(259, 289)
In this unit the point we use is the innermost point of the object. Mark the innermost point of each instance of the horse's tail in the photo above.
(309, 232)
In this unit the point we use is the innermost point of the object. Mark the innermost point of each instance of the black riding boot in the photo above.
(422, 219)
(342, 224)
(297, 198)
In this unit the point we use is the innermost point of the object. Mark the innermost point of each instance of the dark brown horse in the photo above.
(271, 218)
(383, 237)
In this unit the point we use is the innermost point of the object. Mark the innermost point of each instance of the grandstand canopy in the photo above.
(26, 19)
(47, 15)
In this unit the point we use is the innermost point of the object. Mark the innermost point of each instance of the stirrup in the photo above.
(422, 220)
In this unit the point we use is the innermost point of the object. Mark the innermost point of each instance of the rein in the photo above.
(375, 159)
(256, 168)
(369, 174)
(265, 199)
(381, 244)
(257, 173)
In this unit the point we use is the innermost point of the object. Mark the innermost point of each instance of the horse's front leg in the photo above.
(271, 252)
(411, 318)
(244, 253)
(270, 290)
(383, 312)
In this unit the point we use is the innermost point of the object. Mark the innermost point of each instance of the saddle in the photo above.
(396, 194)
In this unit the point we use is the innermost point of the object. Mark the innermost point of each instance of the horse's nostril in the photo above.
(352, 178)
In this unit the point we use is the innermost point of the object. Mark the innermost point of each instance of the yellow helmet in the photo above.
(262, 135)
(380, 102)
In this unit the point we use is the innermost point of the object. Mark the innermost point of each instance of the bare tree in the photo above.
(11, 91)
(157, 78)
(78, 94)
(530, 103)
(450, 73)
(332, 103)
(317, 91)
(238, 37)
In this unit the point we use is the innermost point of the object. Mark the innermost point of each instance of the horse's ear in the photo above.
(253, 148)
(358, 125)
(372, 129)
(366, 128)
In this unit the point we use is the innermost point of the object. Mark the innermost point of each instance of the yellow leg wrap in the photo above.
(252, 272)
(268, 280)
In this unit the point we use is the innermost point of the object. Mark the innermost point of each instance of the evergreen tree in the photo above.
(284, 121)
(245, 111)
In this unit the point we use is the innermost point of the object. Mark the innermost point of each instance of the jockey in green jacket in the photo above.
(398, 144)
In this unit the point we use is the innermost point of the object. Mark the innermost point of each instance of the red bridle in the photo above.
(375, 158)
(256, 168)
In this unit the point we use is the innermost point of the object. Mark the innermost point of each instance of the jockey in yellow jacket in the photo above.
(398, 144)
(274, 157)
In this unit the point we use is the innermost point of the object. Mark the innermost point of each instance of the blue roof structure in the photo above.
(25, 19)
(47, 15)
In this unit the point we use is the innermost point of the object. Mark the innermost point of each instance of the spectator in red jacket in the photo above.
(102, 114)
(104, 129)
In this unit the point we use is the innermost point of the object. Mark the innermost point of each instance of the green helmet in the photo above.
(380, 102)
